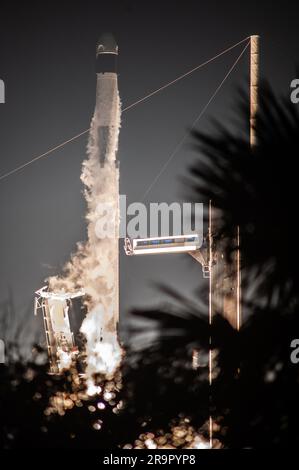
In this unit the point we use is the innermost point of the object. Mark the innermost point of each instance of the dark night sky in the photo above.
(47, 60)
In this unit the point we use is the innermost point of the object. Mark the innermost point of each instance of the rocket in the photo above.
(107, 116)
(94, 269)
(102, 180)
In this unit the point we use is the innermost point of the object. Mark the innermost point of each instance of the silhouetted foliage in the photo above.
(255, 388)
(255, 189)
(254, 394)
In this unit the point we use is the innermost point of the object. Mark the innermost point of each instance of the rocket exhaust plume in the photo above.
(95, 266)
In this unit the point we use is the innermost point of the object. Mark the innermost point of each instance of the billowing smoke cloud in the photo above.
(94, 267)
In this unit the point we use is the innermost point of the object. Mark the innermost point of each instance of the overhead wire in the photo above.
(187, 133)
(127, 108)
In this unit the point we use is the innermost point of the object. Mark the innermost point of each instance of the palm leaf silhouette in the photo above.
(255, 189)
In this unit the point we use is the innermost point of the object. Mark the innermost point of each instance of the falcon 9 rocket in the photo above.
(94, 268)
(101, 178)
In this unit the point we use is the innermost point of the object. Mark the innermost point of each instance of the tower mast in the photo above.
(254, 78)
(225, 278)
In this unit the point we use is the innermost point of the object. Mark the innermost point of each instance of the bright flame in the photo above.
(65, 359)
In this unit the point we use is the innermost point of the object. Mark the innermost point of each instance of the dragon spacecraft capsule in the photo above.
(107, 109)
(106, 54)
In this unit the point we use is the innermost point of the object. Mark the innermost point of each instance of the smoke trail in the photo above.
(94, 267)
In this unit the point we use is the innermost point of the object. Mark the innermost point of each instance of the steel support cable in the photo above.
(132, 105)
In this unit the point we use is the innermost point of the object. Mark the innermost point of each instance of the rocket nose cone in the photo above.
(107, 44)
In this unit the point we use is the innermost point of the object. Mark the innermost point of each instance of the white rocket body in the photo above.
(94, 268)
(101, 178)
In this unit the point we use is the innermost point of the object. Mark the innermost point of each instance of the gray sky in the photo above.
(47, 60)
